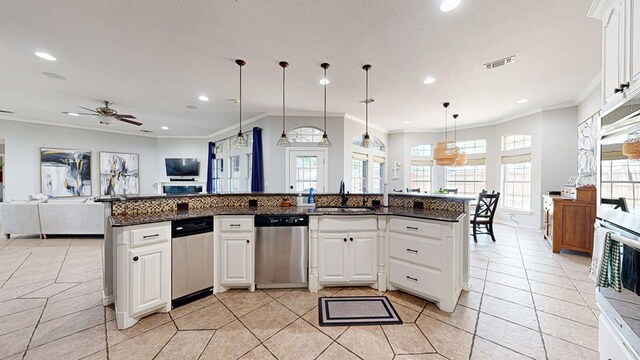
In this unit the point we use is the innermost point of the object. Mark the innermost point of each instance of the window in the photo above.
(512, 142)
(478, 146)
(378, 175)
(219, 168)
(421, 175)
(516, 182)
(234, 174)
(359, 173)
(305, 135)
(620, 179)
(469, 179)
(306, 173)
(421, 150)
(377, 143)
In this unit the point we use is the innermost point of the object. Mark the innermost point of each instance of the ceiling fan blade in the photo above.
(92, 110)
(71, 112)
(128, 121)
(127, 116)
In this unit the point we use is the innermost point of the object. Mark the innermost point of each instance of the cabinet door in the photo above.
(362, 256)
(332, 257)
(236, 259)
(577, 226)
(633, 43)
(613, 54)
(150, 271)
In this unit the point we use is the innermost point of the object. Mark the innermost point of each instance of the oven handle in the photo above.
(619, 238)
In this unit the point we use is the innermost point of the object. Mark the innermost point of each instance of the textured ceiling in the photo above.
(152, 59)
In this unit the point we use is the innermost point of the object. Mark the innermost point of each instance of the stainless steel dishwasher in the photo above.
(191, 260)
(282, 251)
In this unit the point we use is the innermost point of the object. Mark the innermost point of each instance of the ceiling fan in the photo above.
(106, 114)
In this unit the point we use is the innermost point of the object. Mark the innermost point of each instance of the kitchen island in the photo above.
(419, 244)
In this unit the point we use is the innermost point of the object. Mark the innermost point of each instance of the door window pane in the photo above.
(306, 173)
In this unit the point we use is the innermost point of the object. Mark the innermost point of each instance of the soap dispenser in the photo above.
(312, 199)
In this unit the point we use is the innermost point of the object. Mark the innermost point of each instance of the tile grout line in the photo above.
(34, 329)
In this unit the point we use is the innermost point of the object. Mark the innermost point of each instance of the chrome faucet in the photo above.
(343, 197)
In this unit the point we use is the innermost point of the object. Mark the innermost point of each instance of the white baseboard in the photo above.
(510, 223)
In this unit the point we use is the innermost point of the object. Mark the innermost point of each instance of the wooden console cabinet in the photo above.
(568, 223)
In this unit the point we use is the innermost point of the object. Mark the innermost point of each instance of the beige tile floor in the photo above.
(525, 303)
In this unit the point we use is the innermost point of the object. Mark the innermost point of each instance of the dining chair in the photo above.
(483, 216)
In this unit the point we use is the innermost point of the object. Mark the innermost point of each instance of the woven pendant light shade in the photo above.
(462, 159)
(631, 149)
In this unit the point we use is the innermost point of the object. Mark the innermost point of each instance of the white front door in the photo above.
(307, 169)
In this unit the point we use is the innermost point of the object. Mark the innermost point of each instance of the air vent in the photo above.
(146, 131)
(6, 111)
(499, 63)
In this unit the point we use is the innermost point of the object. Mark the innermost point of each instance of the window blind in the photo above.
(360, 156)
(378, 159)
(421, 162)
(516, 159)
(480, 161)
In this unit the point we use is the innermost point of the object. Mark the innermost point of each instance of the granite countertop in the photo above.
(169, 196)
(428, 214)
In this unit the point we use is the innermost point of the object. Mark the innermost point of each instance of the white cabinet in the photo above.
(142, 271)
(237, 259)
(620, 50)
(233, 252)
(150, 267)
(347, 250)
(347, 257)
(426, 259)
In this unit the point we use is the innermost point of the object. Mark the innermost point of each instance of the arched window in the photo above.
(305, 134)
(377, 143)
(421, 150)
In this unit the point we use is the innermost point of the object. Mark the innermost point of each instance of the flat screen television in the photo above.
(182, 167)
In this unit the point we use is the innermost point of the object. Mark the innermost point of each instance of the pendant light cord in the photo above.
(366, 103)
(240, 99)
(446, 120)
(325, 102)
(283, 111)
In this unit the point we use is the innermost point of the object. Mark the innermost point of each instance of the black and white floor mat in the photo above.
(357, 310)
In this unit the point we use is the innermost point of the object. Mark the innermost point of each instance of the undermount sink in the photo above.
(344, 209)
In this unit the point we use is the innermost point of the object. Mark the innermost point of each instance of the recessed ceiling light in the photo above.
(54, 75)
(522, 101)
(448, 5)
(164, 127)
(44, 55)
(71, 113)
(407, 122)
(203, 98)
(429, 80)
(324, 81)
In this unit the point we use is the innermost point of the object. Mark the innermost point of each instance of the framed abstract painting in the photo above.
(65, 172)
(119, 173)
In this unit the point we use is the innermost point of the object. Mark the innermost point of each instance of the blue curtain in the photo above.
(257, 171)
(211, 168)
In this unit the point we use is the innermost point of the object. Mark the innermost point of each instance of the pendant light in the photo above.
(241, 139)
(283, 141)
(325, 142)
(631, 148)
(445, 152)
(366, 139)
(462, 156)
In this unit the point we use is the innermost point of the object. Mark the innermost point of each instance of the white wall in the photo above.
(182, 148)
(591, 104)
(22, 154)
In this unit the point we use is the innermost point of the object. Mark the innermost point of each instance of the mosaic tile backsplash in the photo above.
(153, 205)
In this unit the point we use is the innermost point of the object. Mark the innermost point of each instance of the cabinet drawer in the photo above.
(413, 227)
(150, 235)
(422, 280)
(236, 224)
(421, 251)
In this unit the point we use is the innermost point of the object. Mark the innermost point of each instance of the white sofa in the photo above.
(54, 217)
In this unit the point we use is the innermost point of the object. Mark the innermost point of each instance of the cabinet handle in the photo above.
(345, 239)
(617, 90)
(625, 85)
(135, 258)
(619, 321)
(411, 278)
(412, 251)
(150, 236)
(248, 241)
(350, 239)
(412, 228)
(234, 225)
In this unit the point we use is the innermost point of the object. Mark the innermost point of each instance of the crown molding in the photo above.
(79, 127)
(598, 9)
